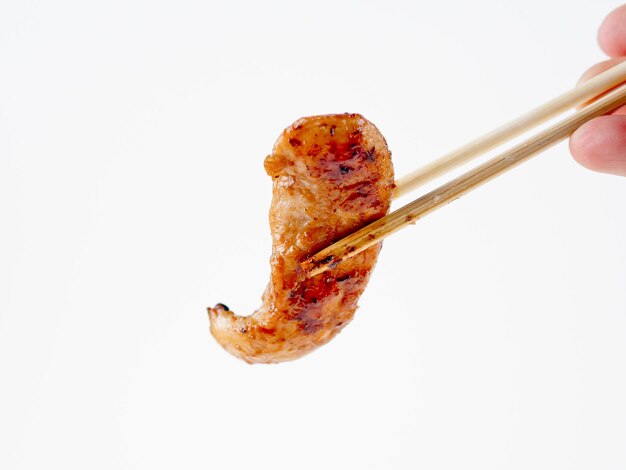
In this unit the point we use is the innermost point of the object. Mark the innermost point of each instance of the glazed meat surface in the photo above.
(332, 175)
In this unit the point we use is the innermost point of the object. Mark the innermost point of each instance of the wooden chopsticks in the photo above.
(592, 88)
(410, 213)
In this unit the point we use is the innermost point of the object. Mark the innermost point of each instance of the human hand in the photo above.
(600, 144)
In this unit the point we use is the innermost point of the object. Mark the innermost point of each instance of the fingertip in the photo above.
(612, 33)
(600, 145)
(600, 67)
(579, 144)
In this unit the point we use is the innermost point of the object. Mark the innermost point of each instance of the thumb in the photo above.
(600, 144)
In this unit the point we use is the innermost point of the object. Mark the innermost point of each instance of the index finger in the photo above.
(612, 33)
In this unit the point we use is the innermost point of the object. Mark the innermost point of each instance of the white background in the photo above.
(133, 196)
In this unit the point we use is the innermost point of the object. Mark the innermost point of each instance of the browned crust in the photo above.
(332, 175)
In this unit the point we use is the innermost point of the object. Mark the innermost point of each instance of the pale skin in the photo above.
(600, 144)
